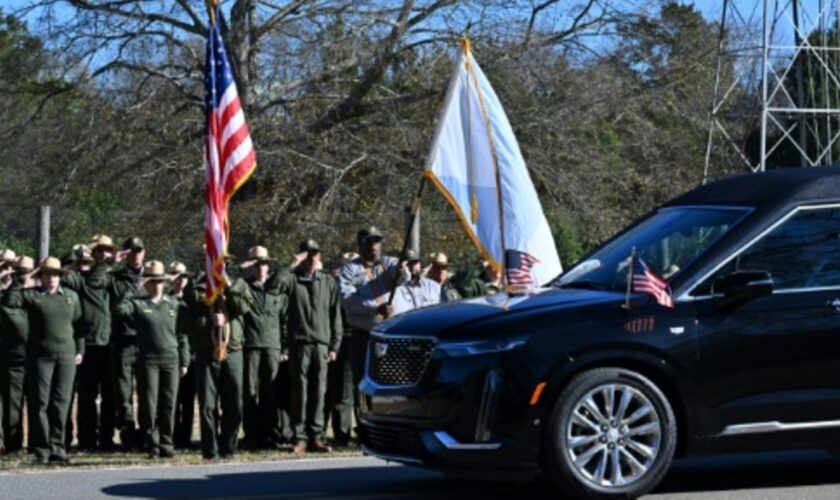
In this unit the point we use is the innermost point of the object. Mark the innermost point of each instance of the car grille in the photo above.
(399, 360)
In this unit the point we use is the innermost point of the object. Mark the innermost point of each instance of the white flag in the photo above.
(476, 163)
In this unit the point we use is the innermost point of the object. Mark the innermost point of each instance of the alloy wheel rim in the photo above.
(613, 436)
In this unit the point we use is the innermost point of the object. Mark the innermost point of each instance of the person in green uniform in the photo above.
(95, 376)
(123, 339)
(338, 402)
(263, 324)
(472, 282)
(54, 349)
(7, 261)
(14, 330)
(312, 341)
(187, 326)
(219, 381)
(162, 357)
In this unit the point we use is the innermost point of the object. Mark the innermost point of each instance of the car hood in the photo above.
(480, 311)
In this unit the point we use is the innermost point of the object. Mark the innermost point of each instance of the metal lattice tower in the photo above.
(778, 66)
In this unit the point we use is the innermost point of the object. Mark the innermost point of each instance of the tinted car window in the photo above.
(802, 252)
(667, 241)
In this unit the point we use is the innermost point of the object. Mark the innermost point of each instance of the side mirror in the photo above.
(742, 286)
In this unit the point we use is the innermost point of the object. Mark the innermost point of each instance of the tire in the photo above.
(581, 457)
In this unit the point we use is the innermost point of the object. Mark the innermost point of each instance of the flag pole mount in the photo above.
(629, 279)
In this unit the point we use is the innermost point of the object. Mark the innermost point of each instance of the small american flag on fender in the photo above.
(648, 282)
(518, 266)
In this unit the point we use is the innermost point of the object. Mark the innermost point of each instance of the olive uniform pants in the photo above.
(157, 385)
(308, 366)
(185, 409)
(50, 391)
(96, 379)
(283, 431)
(259, 409)
(339, 399)
(12, 394)
(219, 384)
(125, 361)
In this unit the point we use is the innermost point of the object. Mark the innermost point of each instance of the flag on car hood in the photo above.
(476, 163)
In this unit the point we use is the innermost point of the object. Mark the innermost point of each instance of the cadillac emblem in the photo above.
(380, 349)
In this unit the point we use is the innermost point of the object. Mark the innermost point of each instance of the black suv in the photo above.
(600, 390)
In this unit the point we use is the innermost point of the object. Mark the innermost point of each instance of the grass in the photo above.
(23, 462)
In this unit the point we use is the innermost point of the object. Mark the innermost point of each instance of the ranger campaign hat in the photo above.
(177, 269)
(259, 254)
(8, 256)
(102, 240)
(369, 235)
(133, 243)
(309, 246)
(439, 259)
(24, 264)
(411, 256)
(155, 271)
(52, 265)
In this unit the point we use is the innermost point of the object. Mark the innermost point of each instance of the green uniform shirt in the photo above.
(314, 314)
(91, 286)
(14, 330)
(52, 319)
(121, 282)
(237, 301)
(156, 325)
(265, 321)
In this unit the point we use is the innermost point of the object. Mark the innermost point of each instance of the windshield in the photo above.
(667, 241)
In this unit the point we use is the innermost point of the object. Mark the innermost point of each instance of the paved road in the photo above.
(778, 476)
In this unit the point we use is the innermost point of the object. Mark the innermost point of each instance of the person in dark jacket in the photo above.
(218, 381)
(14, 330)
(263, 324)
(312, 341)
(187, 325)
(126, 279)
(95, 376)
(54, 348)
(162, 356)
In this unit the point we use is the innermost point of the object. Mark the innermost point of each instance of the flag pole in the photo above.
(415, 210)
(629, 278)
(211, 9)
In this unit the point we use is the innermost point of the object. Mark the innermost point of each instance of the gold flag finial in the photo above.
(211, 9)
(466, 45)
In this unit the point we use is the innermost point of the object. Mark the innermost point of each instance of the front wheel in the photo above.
(612, 435)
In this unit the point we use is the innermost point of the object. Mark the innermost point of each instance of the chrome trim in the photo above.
(763, 427)
(390, 458)
(687, 297)
(450, 443)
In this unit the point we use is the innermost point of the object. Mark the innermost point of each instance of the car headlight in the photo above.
(472, 348)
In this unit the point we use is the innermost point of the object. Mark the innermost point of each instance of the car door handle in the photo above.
(835, 304)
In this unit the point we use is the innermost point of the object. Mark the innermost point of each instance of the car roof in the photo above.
(775, 188)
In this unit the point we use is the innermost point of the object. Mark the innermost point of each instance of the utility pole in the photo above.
(43, 232)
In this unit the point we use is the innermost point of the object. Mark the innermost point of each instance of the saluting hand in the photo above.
(297, 259)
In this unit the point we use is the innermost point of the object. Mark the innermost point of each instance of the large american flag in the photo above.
(646, 281)
(518, 266)
(229, 156)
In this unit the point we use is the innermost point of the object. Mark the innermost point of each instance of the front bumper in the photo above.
(464, 413)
